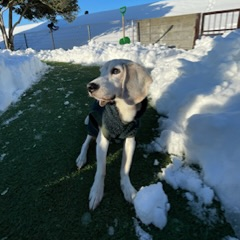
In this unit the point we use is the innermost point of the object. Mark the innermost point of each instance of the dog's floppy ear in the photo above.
(136, 83)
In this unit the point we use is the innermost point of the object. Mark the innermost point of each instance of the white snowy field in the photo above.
(199, 93)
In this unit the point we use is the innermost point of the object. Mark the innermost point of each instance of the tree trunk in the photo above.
(4, 38)
(10, 29)
(4, 34)
(8, 38)
(8, 41)
(10, 44)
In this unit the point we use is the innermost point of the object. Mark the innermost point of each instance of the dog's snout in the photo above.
(92, 87)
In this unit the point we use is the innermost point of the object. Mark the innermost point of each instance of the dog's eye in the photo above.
(115, 71)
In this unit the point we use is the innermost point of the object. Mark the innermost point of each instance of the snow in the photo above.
(156, 205)
(17, 73)
(175, 175)
(140, 233)
(198, 92)
(98, 53)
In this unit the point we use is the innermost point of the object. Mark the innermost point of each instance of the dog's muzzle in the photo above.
(92, 87)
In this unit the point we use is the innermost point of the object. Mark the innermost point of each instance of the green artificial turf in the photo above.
(44, 196)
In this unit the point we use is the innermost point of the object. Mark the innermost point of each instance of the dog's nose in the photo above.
(92, 87)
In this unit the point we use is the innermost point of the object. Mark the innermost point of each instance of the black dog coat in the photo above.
(108, 120)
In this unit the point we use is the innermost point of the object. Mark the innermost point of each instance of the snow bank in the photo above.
(18, 71)
(100, 52)
(199, 91)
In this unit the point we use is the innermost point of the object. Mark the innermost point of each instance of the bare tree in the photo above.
(33, 10)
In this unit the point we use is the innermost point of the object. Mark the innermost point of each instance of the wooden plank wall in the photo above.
(178, 31)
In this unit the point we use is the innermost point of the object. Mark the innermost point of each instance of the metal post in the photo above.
(89, 32)
(25, 39)
(238, 24)
(53, 42)
(138, 32)
(203, 23)
(132, 31)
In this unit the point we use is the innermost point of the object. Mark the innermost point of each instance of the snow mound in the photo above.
(18, 72)
(151, 205)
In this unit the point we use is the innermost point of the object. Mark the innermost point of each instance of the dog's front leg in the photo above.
(82, 158)
(128, 150)
(97, 189)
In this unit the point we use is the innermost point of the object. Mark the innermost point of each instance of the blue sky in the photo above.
(100, 5)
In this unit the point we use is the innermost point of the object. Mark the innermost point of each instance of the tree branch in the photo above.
(20, 18)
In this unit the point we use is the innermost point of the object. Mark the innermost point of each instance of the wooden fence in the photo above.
(182, 31)
(177, 31)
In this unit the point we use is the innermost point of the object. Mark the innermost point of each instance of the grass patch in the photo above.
(44, 196)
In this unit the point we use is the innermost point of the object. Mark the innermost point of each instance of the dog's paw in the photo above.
(128, 190)
(96, 194)
(81, 160)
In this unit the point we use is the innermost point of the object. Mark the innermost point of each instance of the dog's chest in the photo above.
(113, 127)
(108, 119)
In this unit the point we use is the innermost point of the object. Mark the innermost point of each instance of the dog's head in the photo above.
(120, 78)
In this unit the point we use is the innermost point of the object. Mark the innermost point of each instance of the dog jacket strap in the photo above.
(107, 118)
(95, 119)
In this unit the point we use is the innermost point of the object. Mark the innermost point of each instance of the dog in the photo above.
(120, 94)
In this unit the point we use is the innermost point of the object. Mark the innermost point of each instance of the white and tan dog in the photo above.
(121, 93)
